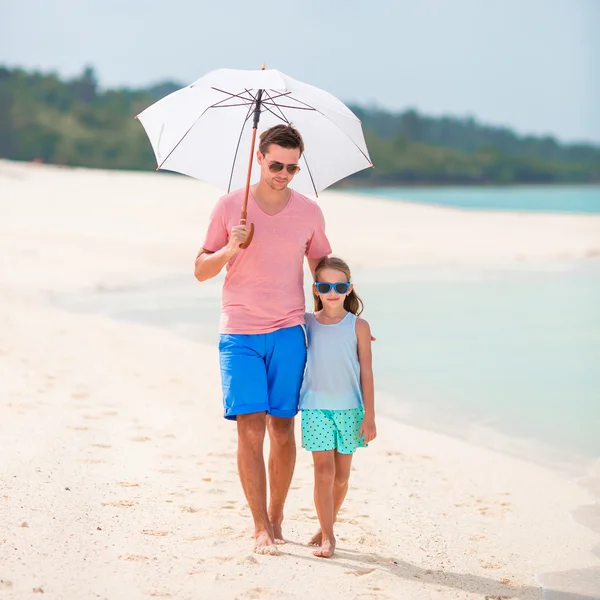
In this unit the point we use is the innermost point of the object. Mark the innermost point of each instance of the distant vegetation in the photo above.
(73, 122)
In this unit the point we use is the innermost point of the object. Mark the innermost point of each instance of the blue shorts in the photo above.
(262, 372)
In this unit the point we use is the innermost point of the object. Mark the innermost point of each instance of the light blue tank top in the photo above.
(332, 376)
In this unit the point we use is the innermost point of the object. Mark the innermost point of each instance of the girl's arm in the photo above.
(363, 336)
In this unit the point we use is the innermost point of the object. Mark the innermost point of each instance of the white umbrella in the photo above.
(205, 130)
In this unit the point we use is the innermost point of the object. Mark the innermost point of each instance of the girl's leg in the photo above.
(324, 462)
(343, 463)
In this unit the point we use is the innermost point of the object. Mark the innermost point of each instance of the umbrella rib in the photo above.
(275, 114)
(310, 175)
(250, 111)
(284, 118)
(231, 105)
(278, 95)
(292, 107)
(231, 95)
(183, 138)
(309, 107)
(203, 112)
(316, 109)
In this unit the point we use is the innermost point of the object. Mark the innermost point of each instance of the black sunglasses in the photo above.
(275, 167)
(324, 288)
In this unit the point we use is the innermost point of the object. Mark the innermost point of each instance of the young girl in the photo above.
(337, 398)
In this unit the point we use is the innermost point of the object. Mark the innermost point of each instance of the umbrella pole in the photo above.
(244, 214)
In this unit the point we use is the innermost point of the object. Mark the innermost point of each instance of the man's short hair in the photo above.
(285, 136)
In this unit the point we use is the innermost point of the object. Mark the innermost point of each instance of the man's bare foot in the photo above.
(326, 549)
(278, 534)
(263, 544)
(316, 539)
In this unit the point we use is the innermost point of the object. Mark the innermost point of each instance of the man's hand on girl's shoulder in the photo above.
(363, 329)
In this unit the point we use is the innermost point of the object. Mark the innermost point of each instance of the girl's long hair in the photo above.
(352, 302)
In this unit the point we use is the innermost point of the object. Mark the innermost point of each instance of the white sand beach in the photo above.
(118, 474)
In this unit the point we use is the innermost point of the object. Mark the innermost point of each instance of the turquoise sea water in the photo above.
(515, 352)
(570, 199)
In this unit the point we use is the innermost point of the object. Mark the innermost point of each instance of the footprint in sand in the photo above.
(359, 572)
(120, 503)
(489, 565)
(257, 593)
(222, 454)
(191, 509)
(134, 557)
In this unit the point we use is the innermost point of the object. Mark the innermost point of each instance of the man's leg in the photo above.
(245, 399)
(251, 467)
(285, 361)
(282, 459)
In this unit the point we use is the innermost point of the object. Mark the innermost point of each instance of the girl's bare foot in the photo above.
(263, 543)
(326, 549)
(316, 539)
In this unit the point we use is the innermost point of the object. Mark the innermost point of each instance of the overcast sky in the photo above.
(533, 65)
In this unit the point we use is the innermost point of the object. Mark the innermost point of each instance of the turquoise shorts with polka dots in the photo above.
(332, 430)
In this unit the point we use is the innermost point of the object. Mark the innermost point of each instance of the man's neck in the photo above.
(267, 195)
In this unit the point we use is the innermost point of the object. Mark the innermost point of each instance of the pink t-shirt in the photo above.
(264, 285)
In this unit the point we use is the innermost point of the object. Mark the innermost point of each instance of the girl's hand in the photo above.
(368, 429)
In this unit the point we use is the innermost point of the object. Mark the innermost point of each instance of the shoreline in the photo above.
(568, 461)
(121, 477)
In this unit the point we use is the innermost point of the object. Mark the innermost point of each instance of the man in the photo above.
(262, 346)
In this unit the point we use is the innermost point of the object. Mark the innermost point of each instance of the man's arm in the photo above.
(318, 244)
(312, 264)
(210, 264)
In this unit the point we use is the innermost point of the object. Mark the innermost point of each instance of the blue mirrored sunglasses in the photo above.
(340, 288)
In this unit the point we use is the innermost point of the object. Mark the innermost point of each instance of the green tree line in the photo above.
(73, 122)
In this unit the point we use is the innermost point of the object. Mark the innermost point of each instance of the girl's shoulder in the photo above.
(362, 328)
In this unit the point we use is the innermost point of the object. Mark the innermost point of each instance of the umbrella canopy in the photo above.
(206, 129)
